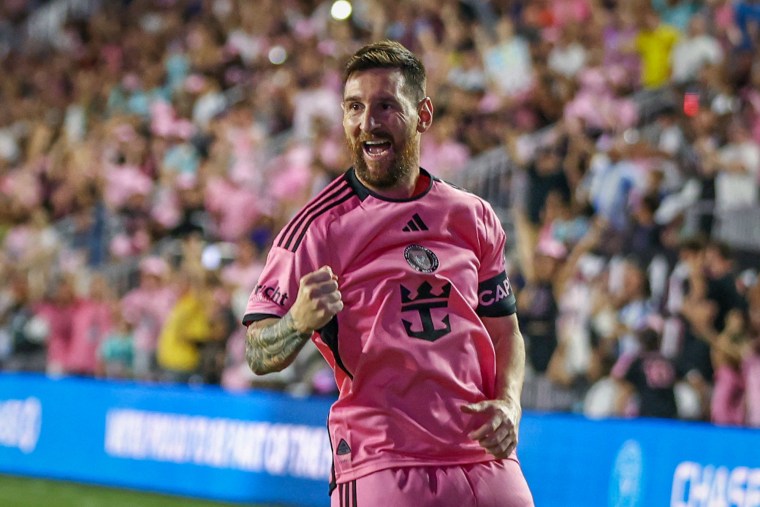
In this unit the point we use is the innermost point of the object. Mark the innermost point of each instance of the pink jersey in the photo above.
(751, 370)
(409, 347)
(727, 404)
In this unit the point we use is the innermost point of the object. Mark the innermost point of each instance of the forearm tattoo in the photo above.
(272, 348)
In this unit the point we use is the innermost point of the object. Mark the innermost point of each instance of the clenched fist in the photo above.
(317, 302)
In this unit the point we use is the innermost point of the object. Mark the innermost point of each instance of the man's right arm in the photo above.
(272, 344)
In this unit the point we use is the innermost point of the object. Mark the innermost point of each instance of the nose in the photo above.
(369, 120)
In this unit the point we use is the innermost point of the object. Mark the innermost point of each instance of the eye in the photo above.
(351, 107)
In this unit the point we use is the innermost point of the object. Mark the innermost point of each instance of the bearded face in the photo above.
(382, 127)
(382, 174)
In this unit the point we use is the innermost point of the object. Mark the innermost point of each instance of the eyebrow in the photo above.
(382, 98)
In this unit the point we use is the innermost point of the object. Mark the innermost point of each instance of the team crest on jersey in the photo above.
(421, 258)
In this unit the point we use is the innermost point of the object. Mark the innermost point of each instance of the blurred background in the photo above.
(150, 150)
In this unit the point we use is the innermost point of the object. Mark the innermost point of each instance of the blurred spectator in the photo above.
(626, 310)
(568, 54)
(720, 279)
(727, 400)
(618, 35)
(90, 324)
(694, 50)
(197, 325)
(538, 305)
(747, 15)
(507, 60)
(155, 143)
(676, 13)
(442, 150)
(187, 326)
(545, 175)
(609, 182)
(654, 44)
(596, 106)
(751, 360)
(25, 333)
(738, 163)
(116, 353)
(144, 309)
(643, 233)
(647, 380)
(57, 311)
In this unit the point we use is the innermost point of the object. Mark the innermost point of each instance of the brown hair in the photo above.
(389, 54)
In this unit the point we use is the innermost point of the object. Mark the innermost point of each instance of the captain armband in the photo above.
(495, 297)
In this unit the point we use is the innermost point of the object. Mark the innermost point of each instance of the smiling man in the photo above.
(384, 113)
(393, 273)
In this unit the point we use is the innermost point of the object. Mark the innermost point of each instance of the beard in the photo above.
(400, 168)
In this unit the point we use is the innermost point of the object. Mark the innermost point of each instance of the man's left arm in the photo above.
(499, 435)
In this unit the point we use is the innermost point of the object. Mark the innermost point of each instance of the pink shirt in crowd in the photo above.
(727, 402)
(90, 324)
(146, 309)
(235, 207)
(75, 333)
(751, 370)
(59, 322)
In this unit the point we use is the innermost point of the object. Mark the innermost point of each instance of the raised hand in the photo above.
(318, 300)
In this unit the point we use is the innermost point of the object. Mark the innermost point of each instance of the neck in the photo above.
(404, 189)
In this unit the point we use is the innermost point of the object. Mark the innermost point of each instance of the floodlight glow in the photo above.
(278, 55)
(341, 9)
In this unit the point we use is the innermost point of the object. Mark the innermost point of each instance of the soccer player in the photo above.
(399, 278)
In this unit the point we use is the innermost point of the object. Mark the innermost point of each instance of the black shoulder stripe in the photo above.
(313, 216)
(329, 193)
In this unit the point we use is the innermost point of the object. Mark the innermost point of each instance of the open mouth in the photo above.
(376, 149)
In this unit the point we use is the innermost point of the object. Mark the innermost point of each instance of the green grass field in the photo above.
(28, 492)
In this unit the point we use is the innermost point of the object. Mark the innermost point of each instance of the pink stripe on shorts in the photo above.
(487, 484)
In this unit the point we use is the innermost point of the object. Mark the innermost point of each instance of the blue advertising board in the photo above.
(268, 447)
(200, 442)
(571, 461)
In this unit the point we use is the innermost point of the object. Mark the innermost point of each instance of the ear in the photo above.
(425, 115)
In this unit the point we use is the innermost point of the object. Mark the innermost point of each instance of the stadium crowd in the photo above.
(150, 149)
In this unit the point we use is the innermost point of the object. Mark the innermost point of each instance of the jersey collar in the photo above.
(363, 192)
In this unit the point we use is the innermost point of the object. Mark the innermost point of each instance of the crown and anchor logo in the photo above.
(423, 304)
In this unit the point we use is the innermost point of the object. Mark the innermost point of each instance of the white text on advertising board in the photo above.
(277, 449)
(697, 485)
(20, 423)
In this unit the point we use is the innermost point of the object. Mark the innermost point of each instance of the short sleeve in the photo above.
(495, 295)
(276, 288)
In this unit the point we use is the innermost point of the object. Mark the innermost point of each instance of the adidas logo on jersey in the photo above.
(415, 224)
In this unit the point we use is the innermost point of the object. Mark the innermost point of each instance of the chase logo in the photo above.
(268, 293)
(704, 485)
(626, 478)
